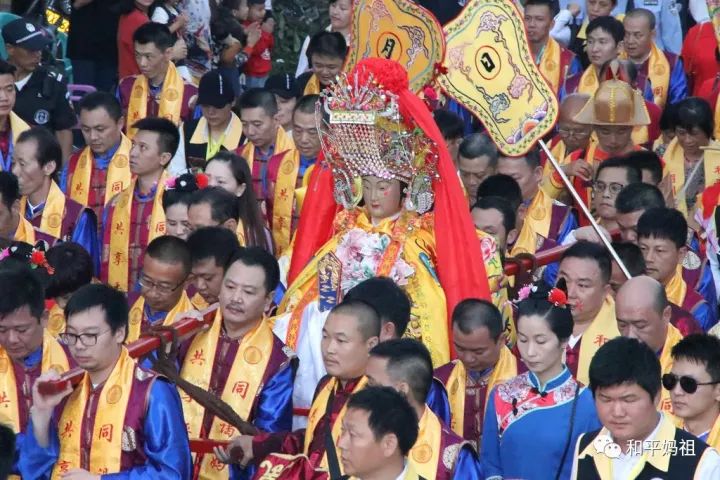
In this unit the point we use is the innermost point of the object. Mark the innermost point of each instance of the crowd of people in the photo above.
(375, 290)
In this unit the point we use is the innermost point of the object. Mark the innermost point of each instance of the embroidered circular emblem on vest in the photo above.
(57, 368)
(589, 80)
(120, 161)
(137, 91)
(287, 167)
(114, 394)
(691, 261)
(450, 454)
(41, 117)
(171, 94)
(252, 355)
(550, 64)
(56, 321)
(659, 69)
(54, 220)
(422, 453)
(538, 213)
(135, 316)
(3, 365)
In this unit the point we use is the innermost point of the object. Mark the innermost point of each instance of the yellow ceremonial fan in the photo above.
(397, 30)
(491, 73)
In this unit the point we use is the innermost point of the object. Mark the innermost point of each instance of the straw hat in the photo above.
(614, 103)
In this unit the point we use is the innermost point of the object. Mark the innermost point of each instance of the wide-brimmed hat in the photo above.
(614, 103)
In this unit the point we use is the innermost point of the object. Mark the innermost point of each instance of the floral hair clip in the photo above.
(556, 296)
(38, 259)
(187, 182)
(5, 253)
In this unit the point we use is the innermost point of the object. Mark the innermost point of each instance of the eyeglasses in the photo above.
(614, 187)
(87, 339)
(568, 132)
(148, 284)
(688, 384)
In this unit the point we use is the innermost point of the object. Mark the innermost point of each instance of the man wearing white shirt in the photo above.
(636, 441)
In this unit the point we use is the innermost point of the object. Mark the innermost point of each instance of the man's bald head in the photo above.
(572, 104)
(643, 312)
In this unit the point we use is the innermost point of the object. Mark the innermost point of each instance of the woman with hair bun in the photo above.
(533, 420)
(176, 201)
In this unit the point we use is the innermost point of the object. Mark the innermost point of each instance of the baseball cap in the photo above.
(25, 34)
(215, 90)
(282, 85)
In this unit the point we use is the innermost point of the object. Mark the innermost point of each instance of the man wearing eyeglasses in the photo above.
(239, 360)
(694, 386)
(162, 299)
(643, 312)
(120, 419)
(26, 348)
(612, 176)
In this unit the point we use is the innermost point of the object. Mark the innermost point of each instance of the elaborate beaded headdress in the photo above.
(364, 133)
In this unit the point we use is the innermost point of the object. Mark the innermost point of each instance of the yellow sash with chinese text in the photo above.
(284, 200)
(550, 65)
(119, 259)
(313, 86)
(283, 143)
(53, 357)
(603, 328)
(25, 231)
(589, 82)
(659, 75)
(537, 222)
(425, 454)
(56, 321)
(118, 174)
(242, 386)
(317, 410)
(17, 126)
(52, 213)
(230, 139)
(675, 167)
(240, 233)
(137, 311)
(504, 369)
(107, 426)
(672, 337)
(171, 98)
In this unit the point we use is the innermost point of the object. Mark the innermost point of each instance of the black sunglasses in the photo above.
(688, 384)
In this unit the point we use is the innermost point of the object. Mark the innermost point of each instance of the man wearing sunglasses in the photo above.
(643, 312)
(120, 419)
(694, 386)
(26, 348)
(162, 299)
(636, 441)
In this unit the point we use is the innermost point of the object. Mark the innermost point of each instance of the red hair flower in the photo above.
(202, 180)
(557, 297)
(37, 259)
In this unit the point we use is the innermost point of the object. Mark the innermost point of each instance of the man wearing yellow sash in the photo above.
(477, 160)
(240, 360)
(159, 90)
(162, 299)
(625, 369)
(326, 53)
(483, 362)
(662, 236)
(379, 429)
(101, 170)
(585, 268)
(210, 249)
(135, 216)
(26, 349)
(544, 222)
(73, 268)
(272, 158)
(350, 332)
(556, 63)
(604, 43)
(14, 226)
(661, 73)
(611, 177)
(694, 386)
(643, 312)
(121, 418)
(218, 129)
(37, 157)
(438, 453)
(11, 125)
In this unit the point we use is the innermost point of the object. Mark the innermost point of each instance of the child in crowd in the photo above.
(167, 13)
(259, 63)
